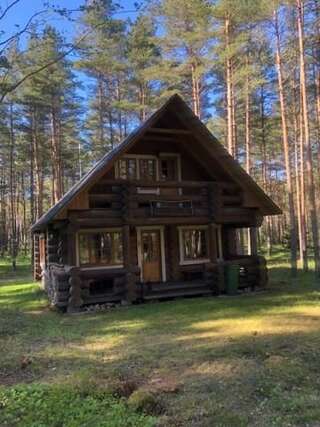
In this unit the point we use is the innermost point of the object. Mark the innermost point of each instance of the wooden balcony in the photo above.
(116, 202)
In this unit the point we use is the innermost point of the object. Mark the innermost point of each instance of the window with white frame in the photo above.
(100, 248)
(194, 247)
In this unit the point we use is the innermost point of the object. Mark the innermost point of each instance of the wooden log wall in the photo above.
(57, 285)
(75, 300)
(36, 257)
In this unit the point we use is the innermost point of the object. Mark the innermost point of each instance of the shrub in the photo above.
(144, 401)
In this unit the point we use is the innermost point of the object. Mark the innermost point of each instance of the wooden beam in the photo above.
(212, 243)
(170, 131)
(169, 220)
(253, 249)
(159, 138)
(126, 245)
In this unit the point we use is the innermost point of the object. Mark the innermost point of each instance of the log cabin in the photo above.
(157, 217)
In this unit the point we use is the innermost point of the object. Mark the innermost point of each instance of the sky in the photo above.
(18, 16)
(24, 9)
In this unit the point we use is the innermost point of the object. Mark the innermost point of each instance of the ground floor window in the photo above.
(100, 248)
(194, 246)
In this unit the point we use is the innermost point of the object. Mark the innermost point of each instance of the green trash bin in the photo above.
(232, 279)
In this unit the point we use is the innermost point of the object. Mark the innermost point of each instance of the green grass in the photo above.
(229, 361)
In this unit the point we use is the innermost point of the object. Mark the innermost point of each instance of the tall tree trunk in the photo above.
(286, 149)
(32, 215)
(308, 150)
(248, 136)
(234, 119)
(247, 120)
(297, 178)
(12, 192)
(195, 89)
(264, 166)
(118, 96)
(56, 149)
(230, 139)
(142, 102)
(37, 164)
(101, 114)
(304, 219)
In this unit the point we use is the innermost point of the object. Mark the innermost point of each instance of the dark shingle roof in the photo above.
(216, 149)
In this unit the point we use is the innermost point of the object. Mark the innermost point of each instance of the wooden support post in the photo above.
(213, 243)
(131, 277)
(253, 249)
(126, 246)
(232, 241)
(174, 253)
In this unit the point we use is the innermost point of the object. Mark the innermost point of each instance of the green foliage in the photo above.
(143, 401)
(52, 406)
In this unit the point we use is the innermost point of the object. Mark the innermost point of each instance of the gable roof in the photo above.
(199, 131)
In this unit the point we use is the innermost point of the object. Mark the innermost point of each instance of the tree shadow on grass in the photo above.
(234, 375)
(220, 369)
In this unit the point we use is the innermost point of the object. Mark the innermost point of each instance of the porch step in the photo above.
(175, 289)
(171, 286)
(98, 299)
(182, 293)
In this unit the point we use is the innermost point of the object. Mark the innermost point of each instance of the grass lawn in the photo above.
(249, 360)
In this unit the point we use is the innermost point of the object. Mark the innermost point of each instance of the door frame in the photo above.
(159, 228)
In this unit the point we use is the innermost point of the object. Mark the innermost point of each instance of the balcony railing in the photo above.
(220, 202)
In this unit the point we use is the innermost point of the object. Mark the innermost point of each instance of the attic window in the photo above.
(128, 169)
(148, 169)
(168, 169)
(137, 166)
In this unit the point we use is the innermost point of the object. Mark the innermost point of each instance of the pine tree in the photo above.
(186, 46)
(143, 57)
(103, 59)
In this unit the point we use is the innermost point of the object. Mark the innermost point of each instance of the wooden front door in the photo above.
(151, 255)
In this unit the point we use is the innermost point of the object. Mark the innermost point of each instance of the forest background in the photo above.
(77, 77)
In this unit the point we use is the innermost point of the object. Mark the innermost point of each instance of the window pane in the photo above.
(131, 169)
(168, 169)
(100, 248)
(122, 169)
(148, 169)
(194, 244)
(128, 169)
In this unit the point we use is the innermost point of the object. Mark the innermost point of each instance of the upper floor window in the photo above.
(102, 248)
(148, 169)
(168, 169)
(128, 168)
